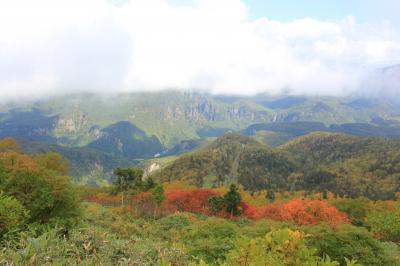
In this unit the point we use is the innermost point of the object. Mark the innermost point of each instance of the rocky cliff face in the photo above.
(150, 169)
(198, 107)
(173, 116)
(74, 122)
(244, 112)
(203, 110)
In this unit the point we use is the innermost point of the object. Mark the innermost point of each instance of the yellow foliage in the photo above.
(8, 145)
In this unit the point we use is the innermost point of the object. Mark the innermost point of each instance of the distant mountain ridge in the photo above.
(126, 140)
(286, 131)
(137, 126)
(173, 116)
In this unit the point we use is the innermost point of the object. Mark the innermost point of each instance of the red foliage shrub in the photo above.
(267, 211)
(195, 201)
(301, 212)
(312, 212)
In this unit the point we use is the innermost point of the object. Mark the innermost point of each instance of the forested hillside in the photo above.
(321, 162)
(350, 165)
(231, 158)
(86, 166)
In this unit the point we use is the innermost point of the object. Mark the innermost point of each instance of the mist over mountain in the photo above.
(207, 46)
(132, 127)
(173, 116)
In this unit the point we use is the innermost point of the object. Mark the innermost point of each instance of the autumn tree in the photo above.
(8, 145)
(41, 188)
(54, 161)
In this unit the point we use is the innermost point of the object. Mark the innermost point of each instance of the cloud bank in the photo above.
(51, 47)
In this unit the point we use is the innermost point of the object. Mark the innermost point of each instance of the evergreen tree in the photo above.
(232, 200)
(270, 195)
(216, 204)
(149, 184)
(128, 178)
(158, 196)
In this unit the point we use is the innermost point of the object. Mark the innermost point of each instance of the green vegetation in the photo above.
(125, 140)
(304, 213)
(98, 134)
(127, 179)
(112, 236)
(87, 166)
(12, 214)
(350, 242)
(230, 159)
(318, 162)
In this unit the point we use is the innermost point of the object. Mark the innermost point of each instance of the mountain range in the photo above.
(133, 127)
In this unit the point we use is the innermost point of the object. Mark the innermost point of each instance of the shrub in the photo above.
(212, 239)
(278, 247)
(356, 209)
(38, 183)
(385, 224)
(12, 213)
(350, 242)
(175, 221)
(301, 212)
(196, 201)
(311, 212)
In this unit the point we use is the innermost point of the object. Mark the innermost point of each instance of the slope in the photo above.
(318, 162)
(231, 158)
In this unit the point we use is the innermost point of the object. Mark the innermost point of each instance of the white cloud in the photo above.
(50, 47)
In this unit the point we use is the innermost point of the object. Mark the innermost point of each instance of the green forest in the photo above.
(345, 165)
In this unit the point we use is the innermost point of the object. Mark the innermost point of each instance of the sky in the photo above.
(366, 11)
(244, 47)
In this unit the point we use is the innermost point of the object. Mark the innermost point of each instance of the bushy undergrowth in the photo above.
(112, 236)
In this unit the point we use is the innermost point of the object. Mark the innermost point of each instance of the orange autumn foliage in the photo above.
(14, 161)
(301, 212)
(195, 201)
(9, 145)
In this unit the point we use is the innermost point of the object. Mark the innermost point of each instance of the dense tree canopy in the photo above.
(38, 183)
(318, 162)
